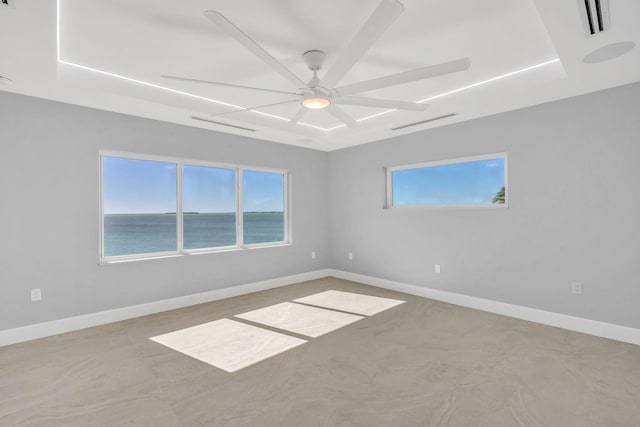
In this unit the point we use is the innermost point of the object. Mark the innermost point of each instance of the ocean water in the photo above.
(126, 234)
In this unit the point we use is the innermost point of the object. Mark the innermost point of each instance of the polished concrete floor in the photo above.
(422, 363)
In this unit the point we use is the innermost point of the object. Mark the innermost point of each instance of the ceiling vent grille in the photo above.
(595, 15)
(202, 119)
(424, 121)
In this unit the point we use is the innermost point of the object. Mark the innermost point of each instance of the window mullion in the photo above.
(179, 210)
(239, 208)
(101, 204)
(286, 203)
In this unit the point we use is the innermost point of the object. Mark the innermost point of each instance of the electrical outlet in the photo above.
(350, 256)
(36, 294)
(437, 268)
(576, 288)
(313, 255)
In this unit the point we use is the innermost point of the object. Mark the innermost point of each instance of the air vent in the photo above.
(424, 121)
(595, 15)
(202, 119)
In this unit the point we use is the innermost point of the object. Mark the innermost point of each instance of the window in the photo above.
(139, 206)
(209, 207)
(153, 206)
(469, 181)
(263, 206)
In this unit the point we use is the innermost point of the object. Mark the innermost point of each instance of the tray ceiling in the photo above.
(112, 54)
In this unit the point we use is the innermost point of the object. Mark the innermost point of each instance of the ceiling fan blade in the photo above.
(299, 115)
(339, 114)
(235, 32)
(253, 108)
(381, 103)
(386, 13)
(187, 79)
(406, 77)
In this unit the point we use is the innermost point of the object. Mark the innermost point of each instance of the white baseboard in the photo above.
(578, 324)
(586, 326)
(41, 330)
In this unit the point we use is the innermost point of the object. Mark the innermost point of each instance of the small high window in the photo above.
(469, 181)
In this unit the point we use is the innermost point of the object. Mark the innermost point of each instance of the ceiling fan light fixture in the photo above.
(316, 103)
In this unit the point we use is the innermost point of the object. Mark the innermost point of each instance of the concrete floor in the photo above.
(422, 363)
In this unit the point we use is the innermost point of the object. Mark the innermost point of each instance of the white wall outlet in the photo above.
(576, 288)
(313, 255)
(36, 294)
(350, 256)
(437, 268)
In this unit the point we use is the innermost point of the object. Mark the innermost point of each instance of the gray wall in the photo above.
(49, 211)
(574, 210)
(573, 214)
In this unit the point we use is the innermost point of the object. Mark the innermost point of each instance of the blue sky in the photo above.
(138, 186)
(263, 191)
(208, 189)
(142, 186)
(466, 183)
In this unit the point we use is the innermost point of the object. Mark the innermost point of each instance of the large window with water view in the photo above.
(469, 181)
(155, 206)
(263, 206)
(209, 207)
(139, 203)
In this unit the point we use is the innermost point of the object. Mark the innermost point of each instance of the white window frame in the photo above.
(180, 251)
(501, 155)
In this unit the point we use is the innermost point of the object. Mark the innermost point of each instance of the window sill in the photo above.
(478, 206)
(113, 261)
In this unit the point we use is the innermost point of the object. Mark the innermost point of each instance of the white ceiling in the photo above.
(111, 55)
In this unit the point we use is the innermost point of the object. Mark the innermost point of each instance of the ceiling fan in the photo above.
(322, 93)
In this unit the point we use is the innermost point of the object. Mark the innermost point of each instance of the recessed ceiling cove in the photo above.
(137, 43)
(111, 55)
